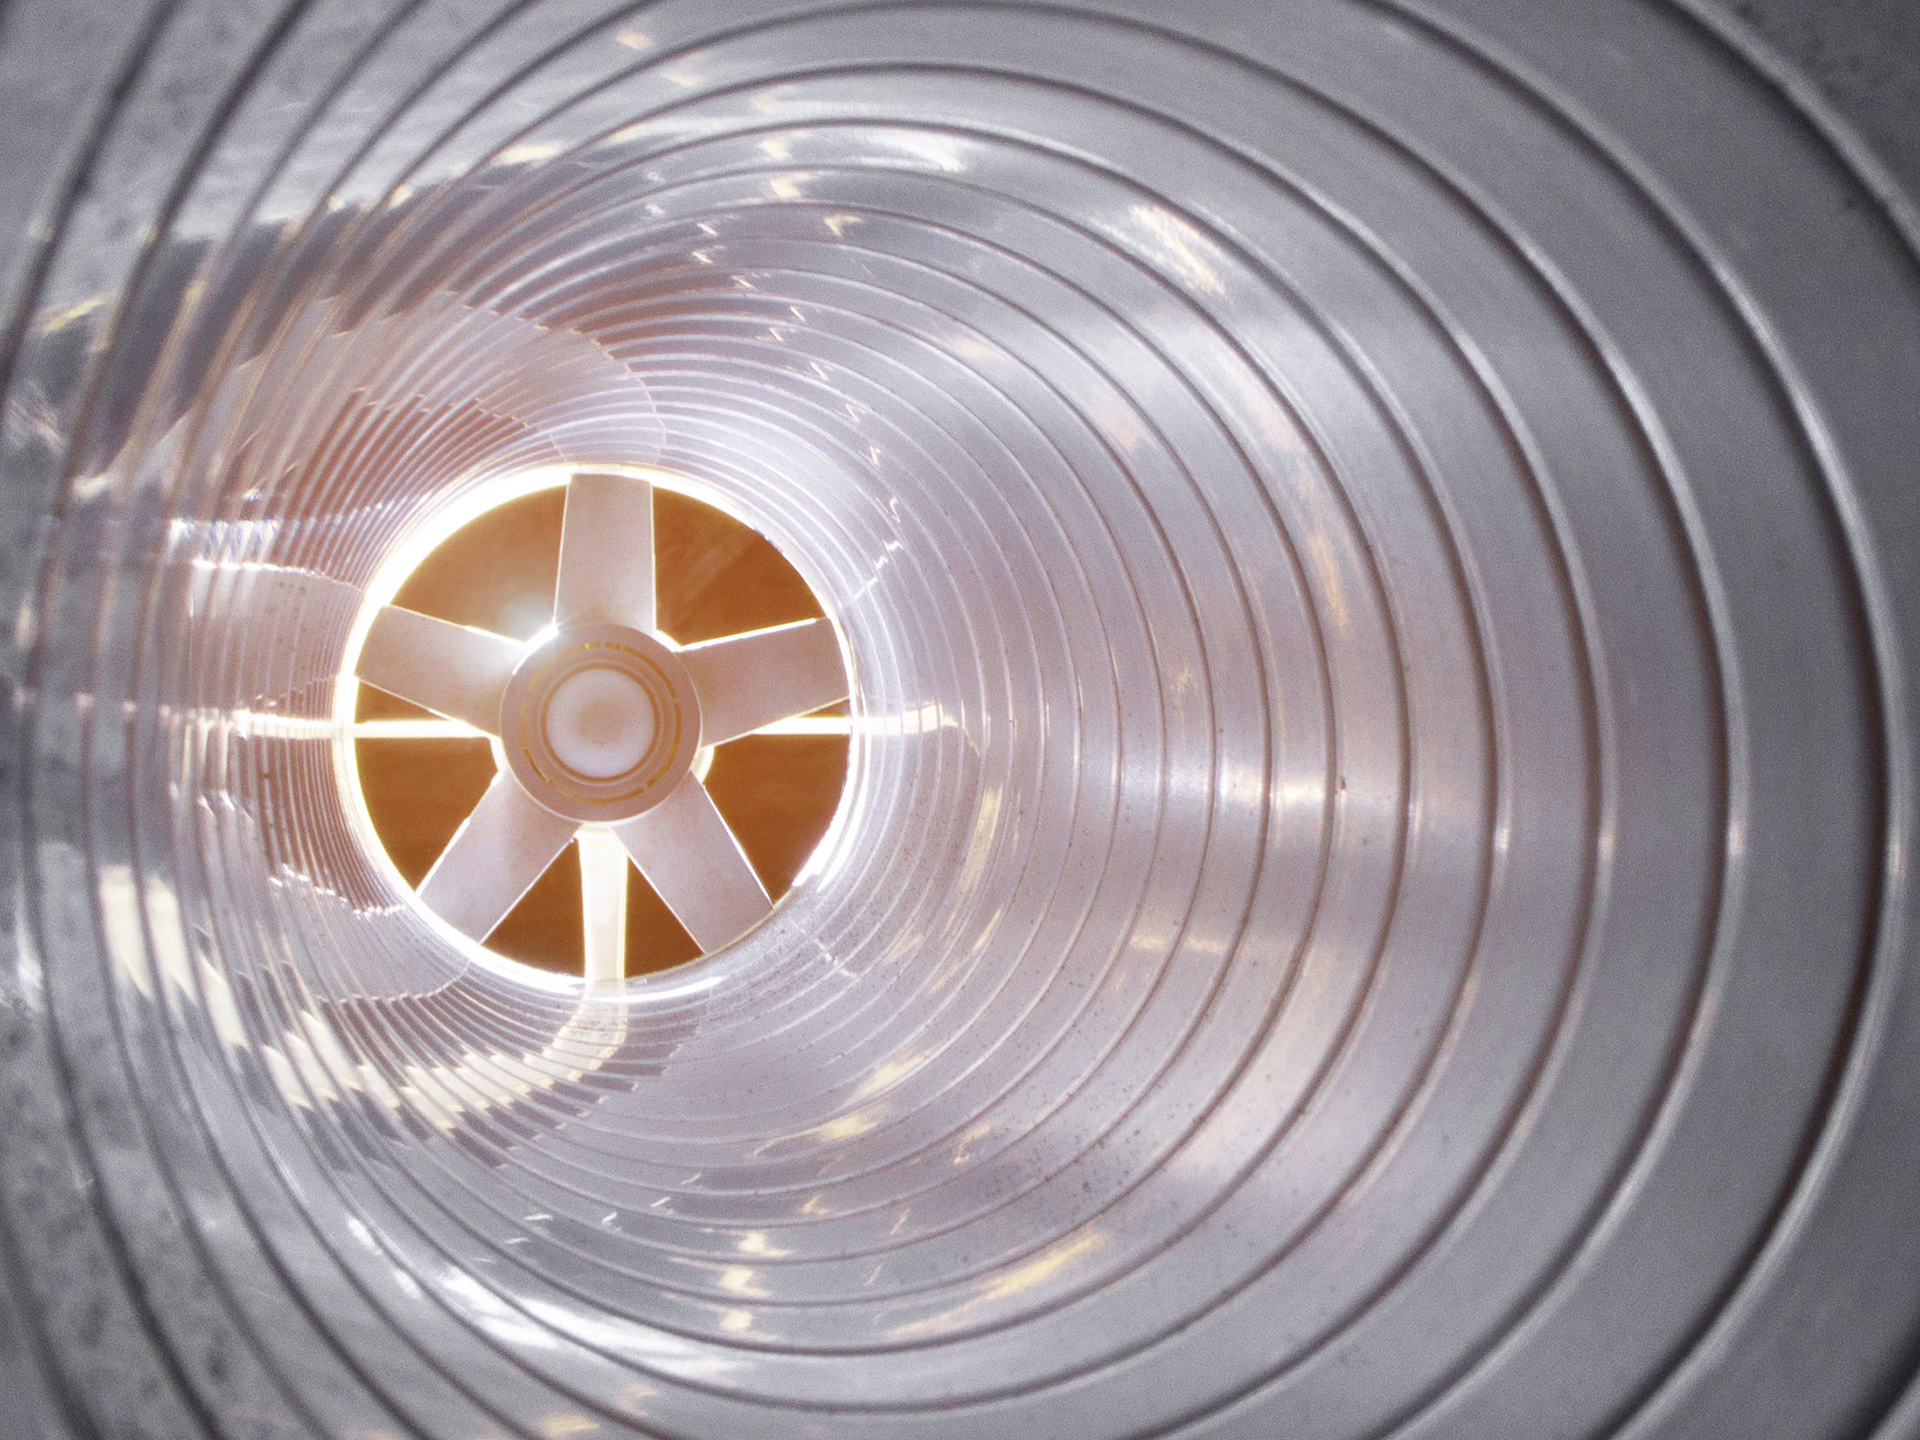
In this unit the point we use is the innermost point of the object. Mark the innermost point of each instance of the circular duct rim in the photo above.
(690, 741)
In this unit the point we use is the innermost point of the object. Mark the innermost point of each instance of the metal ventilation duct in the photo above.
(1379, 555)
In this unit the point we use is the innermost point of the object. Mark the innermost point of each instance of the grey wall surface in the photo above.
(1864, 57)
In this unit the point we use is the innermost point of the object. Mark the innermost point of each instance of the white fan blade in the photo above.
(688, 854)
(606, 553)
(753, 679)
(603, 904)
(455, 670)
(505, 845)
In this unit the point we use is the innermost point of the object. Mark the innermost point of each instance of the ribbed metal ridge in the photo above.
(1376, 547)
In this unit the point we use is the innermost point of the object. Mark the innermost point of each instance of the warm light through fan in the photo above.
(508, 860)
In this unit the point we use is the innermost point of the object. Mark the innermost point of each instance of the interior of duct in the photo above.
(1373, 548)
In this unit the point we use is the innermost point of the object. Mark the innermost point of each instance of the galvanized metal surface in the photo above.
(1378, 550)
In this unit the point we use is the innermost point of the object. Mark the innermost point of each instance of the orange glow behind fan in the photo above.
(714, 577)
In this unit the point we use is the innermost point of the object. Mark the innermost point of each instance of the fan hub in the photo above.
(600, 722)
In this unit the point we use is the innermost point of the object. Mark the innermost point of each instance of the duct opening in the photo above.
(421, 775)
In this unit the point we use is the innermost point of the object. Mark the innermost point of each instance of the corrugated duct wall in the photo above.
(1378, 549)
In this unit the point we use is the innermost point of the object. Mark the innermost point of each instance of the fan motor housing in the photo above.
(535, 704)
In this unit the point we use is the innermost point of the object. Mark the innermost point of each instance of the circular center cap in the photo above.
(600, 723)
